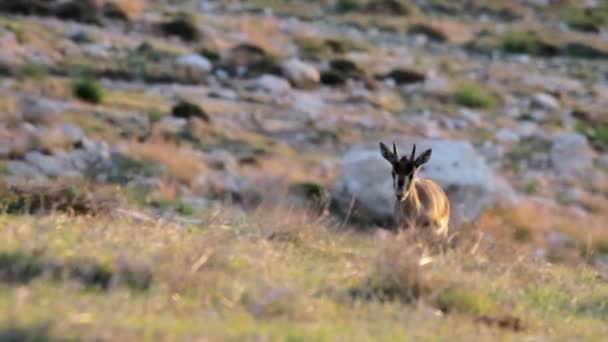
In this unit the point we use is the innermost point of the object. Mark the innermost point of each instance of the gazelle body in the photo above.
(419, 203)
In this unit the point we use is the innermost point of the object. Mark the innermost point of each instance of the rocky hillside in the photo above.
(172, 110)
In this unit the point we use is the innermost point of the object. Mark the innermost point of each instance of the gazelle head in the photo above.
(404, 168)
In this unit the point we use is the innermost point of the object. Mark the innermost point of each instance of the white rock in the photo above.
(194, 62)
(72, 133)
(544, 100)
(571, 155)
(454, 165)
(505, 135)
(22, 170)
(273, 84)
(37, 111)
(51, 166)
(301, 74)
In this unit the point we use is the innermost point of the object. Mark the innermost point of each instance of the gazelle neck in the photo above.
(412, 194)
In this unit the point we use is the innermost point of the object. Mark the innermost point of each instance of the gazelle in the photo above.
(419, 203)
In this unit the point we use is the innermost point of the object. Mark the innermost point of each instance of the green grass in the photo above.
(474, 96)
(586, 20)
(260, 275)
(597, 133)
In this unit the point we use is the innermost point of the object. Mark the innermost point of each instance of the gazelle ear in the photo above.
(423, 158)
(387, 154)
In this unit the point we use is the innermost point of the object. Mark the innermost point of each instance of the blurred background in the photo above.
(181, 110)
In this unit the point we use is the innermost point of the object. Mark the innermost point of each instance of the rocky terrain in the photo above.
(198, 117)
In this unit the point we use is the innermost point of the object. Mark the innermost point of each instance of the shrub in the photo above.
(596, 133)
(88, 90)
(520, 42)
(473, 96)
(463, 301)
(128, 168)
(78, 10)
(182, 27)
(347, 5)
(185, 109)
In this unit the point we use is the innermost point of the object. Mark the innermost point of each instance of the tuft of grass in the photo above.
(38, 72)
(474, 96)
(19, 33)
(532, 187)
(397, 274)
(89, 90)
(522, 234)
(464, 301)
(596, 133)
(128, 168)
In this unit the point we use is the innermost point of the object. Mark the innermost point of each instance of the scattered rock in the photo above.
(221, 160)
(546, 101)
(571, 155)
(248, 60)
(390, 7)
(273, 84)
(300, 74)
(72, 133)
(454, 165)
(505, 135)
(443, 31)
(37, 111)
(194, 63)
(50, 166)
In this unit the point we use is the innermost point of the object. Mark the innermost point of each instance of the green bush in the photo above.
(520, 42)
(348, 5)
(88, 90)
(473, 96)
(183, 27)
(463, 301)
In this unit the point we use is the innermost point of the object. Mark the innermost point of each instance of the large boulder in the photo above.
(364, 188)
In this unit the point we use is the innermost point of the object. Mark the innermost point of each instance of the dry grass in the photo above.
(277, 274)
(183, 165)
(78, 199)
(133, 9)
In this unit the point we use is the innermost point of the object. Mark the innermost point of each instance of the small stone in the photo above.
(546, 101)
(273, 84)
(72, 133)
(302, 75)
(505, 135)
(194, 62)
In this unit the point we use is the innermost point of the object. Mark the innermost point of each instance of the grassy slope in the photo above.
(276, 277)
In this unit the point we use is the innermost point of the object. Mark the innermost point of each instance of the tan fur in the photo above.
(425, 206)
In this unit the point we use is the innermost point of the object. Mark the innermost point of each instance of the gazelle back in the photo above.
(419, 203)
